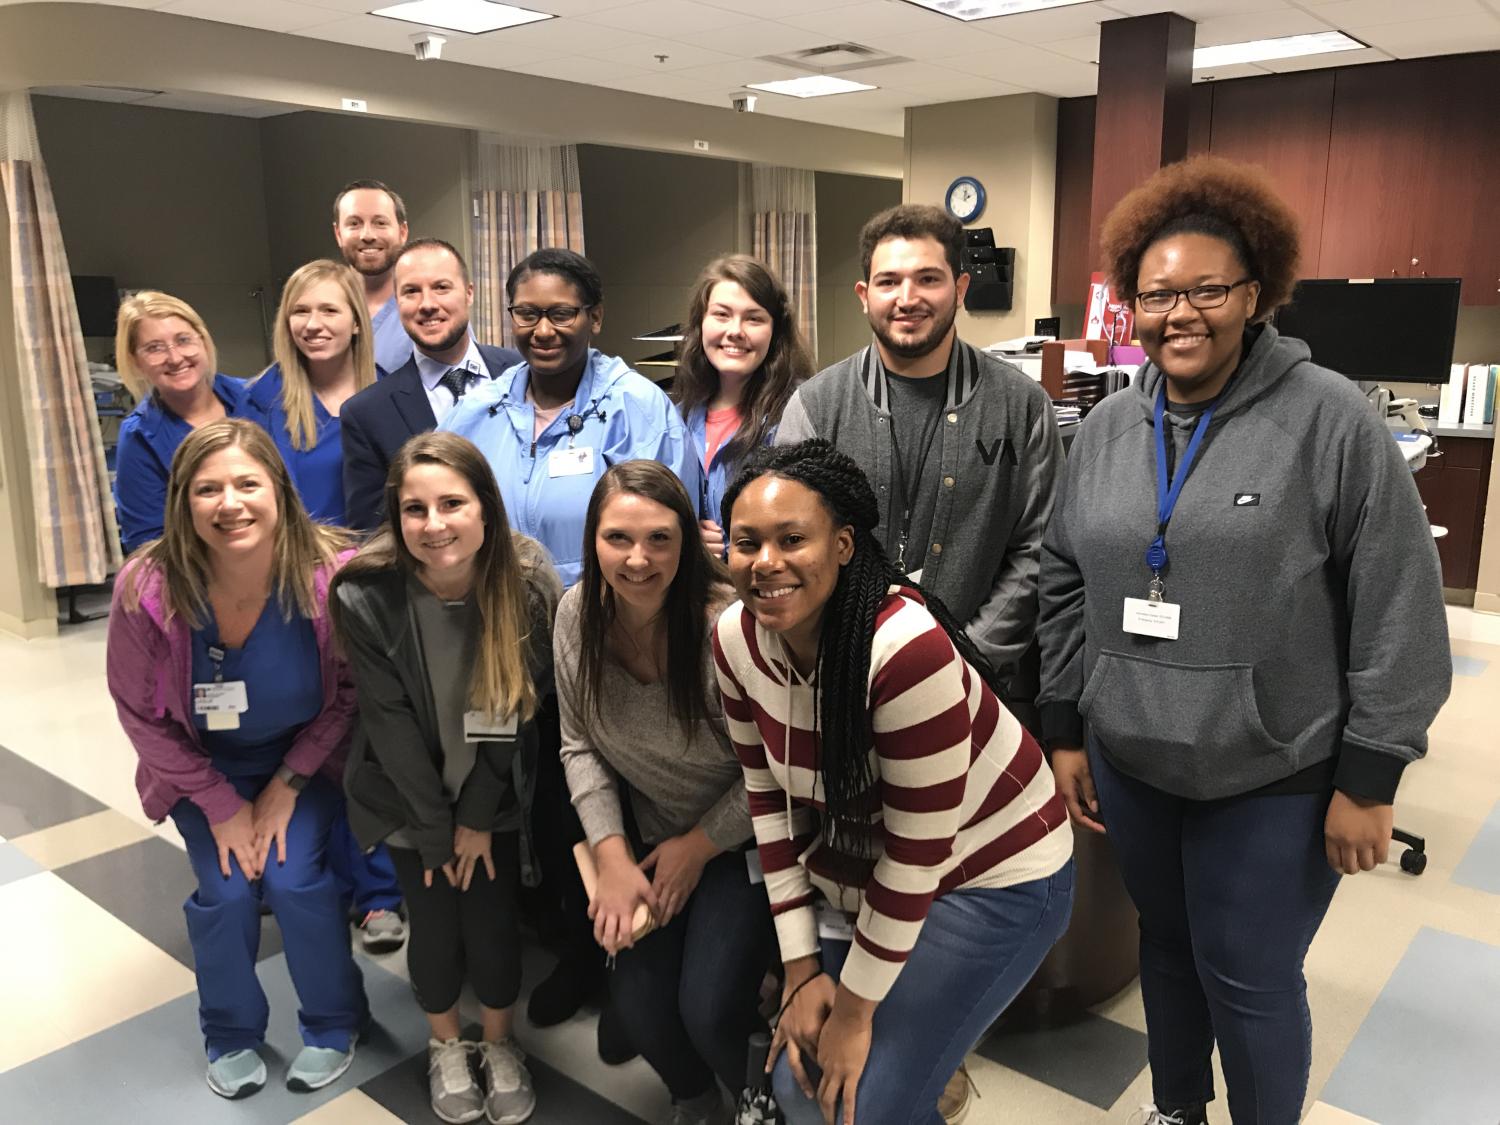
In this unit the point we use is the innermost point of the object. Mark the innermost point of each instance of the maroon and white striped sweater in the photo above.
(964, 798)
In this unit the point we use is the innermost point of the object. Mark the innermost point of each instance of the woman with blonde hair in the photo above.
(167, 358)
(223, 670)
(447, 616)
(325, 353)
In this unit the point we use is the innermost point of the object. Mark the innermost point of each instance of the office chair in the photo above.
(1414, 858)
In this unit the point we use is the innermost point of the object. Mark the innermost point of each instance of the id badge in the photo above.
(1147, 618)
(753, 868)
(833, 924)
(574, 462)
(221, 703)
(479, 727)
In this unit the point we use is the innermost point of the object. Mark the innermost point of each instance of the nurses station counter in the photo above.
(1454, 482)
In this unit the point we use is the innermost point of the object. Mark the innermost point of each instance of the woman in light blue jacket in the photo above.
(742, 357)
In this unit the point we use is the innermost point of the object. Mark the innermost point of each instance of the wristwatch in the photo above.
(295, 780)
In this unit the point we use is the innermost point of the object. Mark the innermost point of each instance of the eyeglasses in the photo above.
(186, 344)
(1200, 297)
(528, 316)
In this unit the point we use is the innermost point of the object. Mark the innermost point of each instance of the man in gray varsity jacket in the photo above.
(962, 448)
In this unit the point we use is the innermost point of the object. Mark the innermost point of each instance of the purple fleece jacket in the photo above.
(148, 666)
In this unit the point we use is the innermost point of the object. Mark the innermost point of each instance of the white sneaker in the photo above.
(508, 1097)
(456, 1097)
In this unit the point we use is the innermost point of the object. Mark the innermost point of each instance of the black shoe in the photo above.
(559, 997)
(615, 1046)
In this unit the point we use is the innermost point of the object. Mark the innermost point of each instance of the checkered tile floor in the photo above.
(99, 1014)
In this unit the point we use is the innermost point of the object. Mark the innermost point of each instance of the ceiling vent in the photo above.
(835, 57)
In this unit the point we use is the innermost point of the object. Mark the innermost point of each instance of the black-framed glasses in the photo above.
(1199, 296)
(529, 316)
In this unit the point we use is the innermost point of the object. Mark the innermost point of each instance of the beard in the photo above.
(455, 334)
(385, 264)
(915, 347)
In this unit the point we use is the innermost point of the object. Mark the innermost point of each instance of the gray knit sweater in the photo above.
(674, 785)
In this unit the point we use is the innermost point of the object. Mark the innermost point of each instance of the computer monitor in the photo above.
(98, 304)
(1392, 329)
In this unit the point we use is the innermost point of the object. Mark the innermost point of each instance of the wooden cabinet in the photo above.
(1072, 256)
(1454, 487)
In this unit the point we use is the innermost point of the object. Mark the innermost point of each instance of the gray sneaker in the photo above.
(508, 1098)
(456, 1097)
(382, 931)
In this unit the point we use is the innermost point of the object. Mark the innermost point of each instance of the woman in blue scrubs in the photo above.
(742, 357)
(165, 355)
(224, 672)
(324, 354)
(549, 428)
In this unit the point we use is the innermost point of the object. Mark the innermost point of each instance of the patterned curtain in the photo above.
(77, 538)
(784, 236)
(525, 197)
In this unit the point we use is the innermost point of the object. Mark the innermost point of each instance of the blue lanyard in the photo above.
(1167, 491)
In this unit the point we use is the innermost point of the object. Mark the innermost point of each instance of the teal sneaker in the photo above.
(237, 1074)
(316, 1067)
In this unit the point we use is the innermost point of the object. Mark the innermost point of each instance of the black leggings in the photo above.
(458, 935)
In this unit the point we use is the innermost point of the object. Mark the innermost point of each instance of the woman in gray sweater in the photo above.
(652, 774)
(445, 616)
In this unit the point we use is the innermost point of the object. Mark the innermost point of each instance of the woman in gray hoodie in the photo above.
(1240, 599)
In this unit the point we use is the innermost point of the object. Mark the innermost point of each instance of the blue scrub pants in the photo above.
(368, 879)
(976, 951)
(223, 920)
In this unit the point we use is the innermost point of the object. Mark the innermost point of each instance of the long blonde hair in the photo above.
(296, 385)
(149, 304)
(182, 558)
(501, 682)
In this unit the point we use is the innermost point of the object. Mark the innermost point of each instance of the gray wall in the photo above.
(307, 157)
(165, 199)
(844, 204)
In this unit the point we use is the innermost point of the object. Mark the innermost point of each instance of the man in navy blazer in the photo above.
(433, 297)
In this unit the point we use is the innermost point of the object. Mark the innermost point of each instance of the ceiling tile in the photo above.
(667, 86)
(1085, 48)
(872, 17)
(900, 76)
(754, 39)
(1445, 35)
(268, 15)
(778, 9)
(1321, 62)
(665, 17)
(1230, 70)
(568, 37)
(1049, 24)
(1031, 68)
(940, 43)
(1196, 10)
(1257, 25)
(739, 73)
(675, 56)
(497, 50)
(576, 69)
(1372, 13)
(371, 31)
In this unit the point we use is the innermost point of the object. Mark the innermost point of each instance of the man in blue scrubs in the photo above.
(369, 224)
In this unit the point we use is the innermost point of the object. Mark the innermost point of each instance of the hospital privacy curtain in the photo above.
(784, 235)
(525, 197)
(78, 542)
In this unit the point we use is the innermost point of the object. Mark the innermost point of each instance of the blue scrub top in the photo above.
(149, 437)
(715, 481)
(283, 686)
(625, 417)
(393, 346)
(318, 472)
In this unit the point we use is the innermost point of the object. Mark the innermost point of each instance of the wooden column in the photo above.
(1141, 115)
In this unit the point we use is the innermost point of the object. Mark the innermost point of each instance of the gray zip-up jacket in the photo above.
(393, 778)
(1312, 621)
(1001, 456)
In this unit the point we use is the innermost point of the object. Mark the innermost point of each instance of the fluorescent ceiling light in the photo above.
(471, 16)
(1287, 47)
(813, 86)
(967, 10)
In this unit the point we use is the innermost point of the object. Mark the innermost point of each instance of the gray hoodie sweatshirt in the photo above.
(1312, 621)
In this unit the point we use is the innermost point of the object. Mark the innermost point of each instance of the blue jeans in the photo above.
(687, 994)
(1230, 894)
(976, 951)
(223, 920)
(366, 878)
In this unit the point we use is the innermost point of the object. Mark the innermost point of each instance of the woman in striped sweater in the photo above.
(916, 854)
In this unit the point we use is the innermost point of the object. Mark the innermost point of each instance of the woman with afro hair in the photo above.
(1240, 599)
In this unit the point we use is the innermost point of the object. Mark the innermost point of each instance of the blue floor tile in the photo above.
(1426, 1053)
(151, 1068)
(15, 864)
(1468, 665)
(1480, 867)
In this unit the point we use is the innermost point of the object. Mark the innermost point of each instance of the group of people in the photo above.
(759, 676)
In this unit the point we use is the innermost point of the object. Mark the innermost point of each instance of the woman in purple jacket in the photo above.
(222, 666)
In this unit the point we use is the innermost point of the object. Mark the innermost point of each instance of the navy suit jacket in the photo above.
(378, 421)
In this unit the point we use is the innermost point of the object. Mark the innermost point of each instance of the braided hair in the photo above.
(841, 685)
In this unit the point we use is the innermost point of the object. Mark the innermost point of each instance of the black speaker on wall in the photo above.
(991, 271)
